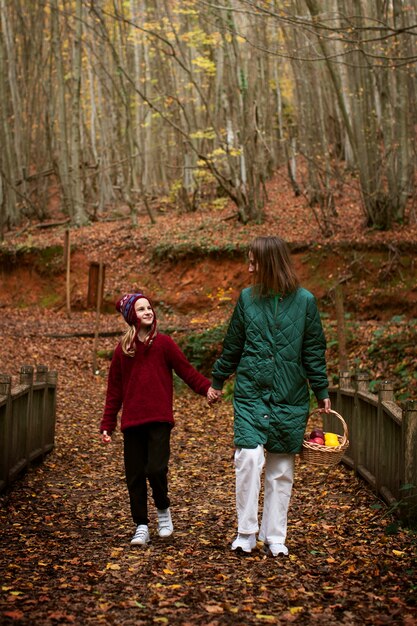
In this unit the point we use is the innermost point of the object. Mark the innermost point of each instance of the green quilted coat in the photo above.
(277, 347)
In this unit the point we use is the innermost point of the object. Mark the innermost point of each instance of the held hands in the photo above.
(213, 395)
(105, 437)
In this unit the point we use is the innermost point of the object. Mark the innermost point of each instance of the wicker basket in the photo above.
(321, 454)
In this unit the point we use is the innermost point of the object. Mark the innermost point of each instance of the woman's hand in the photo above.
(213, 395)
(325, 405)
(105, 437)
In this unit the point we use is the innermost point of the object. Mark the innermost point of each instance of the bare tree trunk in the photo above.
(61, 133)
(79, 215)
(104, 138)
(8, 208)
(8, 37)
(405, 130)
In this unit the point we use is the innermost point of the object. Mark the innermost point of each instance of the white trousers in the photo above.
(279, 478)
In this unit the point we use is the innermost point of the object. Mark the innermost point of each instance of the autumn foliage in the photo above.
(65, 550)
(65, 554)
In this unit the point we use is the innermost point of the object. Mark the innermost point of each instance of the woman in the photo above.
(276, 346)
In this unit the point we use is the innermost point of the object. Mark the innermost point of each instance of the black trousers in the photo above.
(146, 457)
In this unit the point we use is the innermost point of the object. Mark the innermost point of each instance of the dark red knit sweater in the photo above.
(143, 384)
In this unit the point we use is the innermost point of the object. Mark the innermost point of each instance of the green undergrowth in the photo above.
(49, 300)
(204, 244)
(202, 349)
(178, 251)
(385, 350)
(46, 260)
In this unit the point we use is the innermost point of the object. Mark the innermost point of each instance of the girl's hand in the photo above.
(105, 437)
(213, 395)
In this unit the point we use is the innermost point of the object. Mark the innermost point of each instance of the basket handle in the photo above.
(345, 428)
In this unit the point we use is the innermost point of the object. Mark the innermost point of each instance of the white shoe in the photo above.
(141, 536)
(244, 543)
(275, 549)
(165, 525)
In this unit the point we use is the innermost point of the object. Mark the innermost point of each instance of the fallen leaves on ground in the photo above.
(65, 551)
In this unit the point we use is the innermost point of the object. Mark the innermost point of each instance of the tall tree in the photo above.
(79, 212)
(60, 129)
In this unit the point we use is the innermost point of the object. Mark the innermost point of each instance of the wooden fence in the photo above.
(27, 420)
(383, 439)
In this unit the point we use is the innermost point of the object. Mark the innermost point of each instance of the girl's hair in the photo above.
(274, 271)
(128, 341)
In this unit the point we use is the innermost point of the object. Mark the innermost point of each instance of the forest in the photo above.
(120, 102)
(151, 141)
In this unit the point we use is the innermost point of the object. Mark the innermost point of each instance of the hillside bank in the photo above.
(194, 267)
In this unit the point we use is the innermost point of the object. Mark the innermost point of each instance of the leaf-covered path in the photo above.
(65, 555)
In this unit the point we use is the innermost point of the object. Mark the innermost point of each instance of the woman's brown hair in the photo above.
(274, 271)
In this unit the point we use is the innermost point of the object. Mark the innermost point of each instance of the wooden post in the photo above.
(26, 375)
(40, 419)
(41, 373)
(52, 382)
(5, 384)
(356, 430)
(5, 418)
(341, 331)
(24, 424)
(386, 392)
(93, 280)
(67, 257)
(344, 380)
(409, 446)
(97, 325)
(362, 381)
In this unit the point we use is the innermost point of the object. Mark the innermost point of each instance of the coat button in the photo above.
(266, 417)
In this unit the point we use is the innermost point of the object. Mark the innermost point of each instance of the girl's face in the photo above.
(144, 312)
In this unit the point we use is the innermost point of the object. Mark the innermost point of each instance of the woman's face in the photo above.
(144, 312)
(253, 267)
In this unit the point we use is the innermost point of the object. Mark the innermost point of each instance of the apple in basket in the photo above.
(317, 432)
(318, 440)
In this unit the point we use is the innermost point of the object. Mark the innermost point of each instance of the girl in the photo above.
(140, 380)
(276, 346)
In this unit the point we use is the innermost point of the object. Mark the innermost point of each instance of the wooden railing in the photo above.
(383, 439)
(27, 420)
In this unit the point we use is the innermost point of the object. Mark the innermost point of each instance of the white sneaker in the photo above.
(165, 525)
(244, 543)
(275, 549)
(141, 536)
